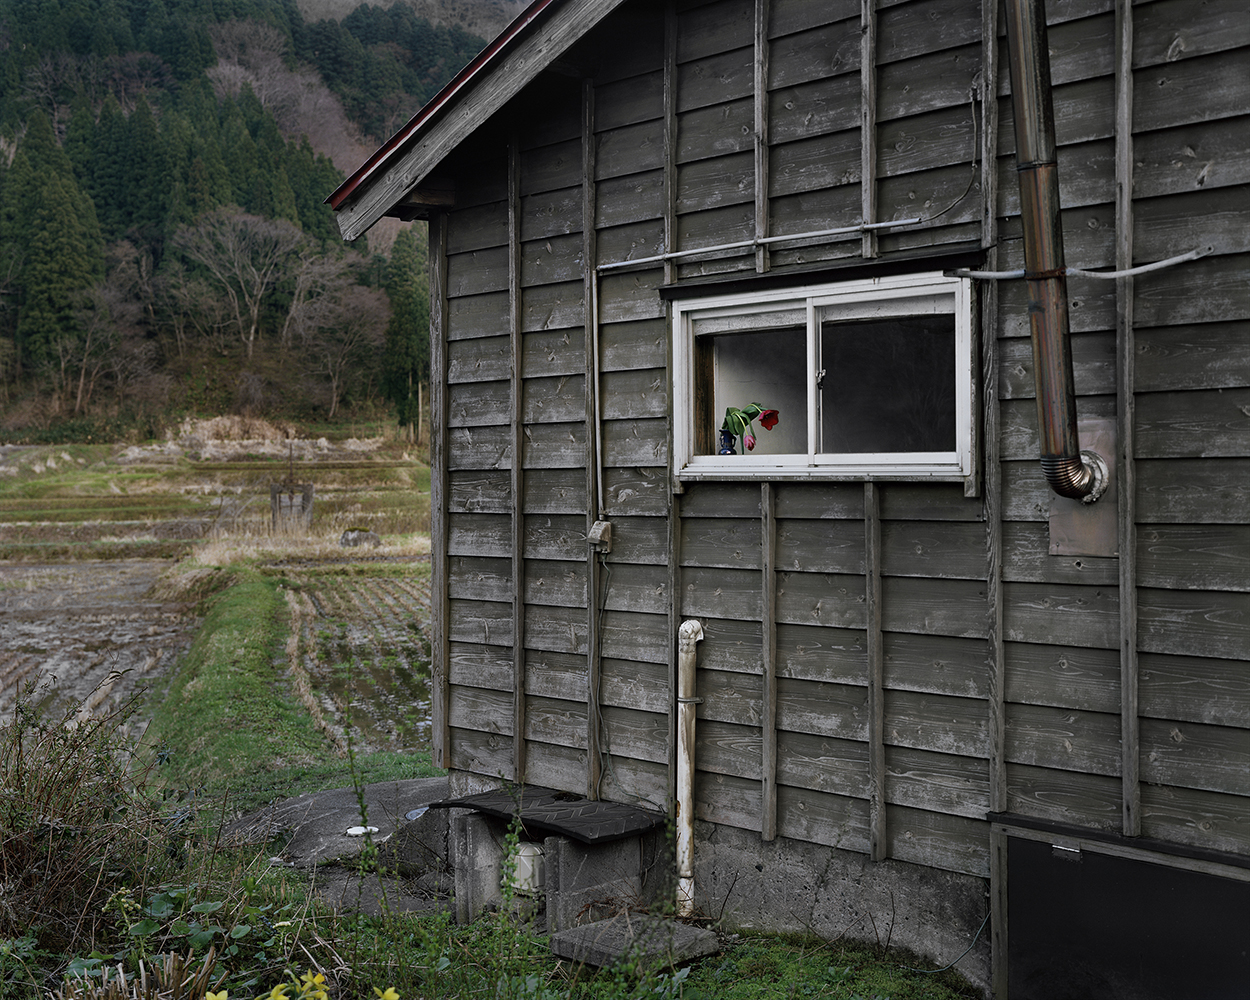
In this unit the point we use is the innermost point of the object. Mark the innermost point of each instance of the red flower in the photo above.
(768, 419)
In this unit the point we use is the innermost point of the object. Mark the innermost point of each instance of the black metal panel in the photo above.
(1083, 924)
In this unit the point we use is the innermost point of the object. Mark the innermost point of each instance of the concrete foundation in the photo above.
(790, 885)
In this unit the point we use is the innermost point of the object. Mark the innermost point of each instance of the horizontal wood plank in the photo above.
(1193, 622)
(1194, 689)
(641, 344)
(1027, 559)
(1193, 755)
(936, 840)
(642, 491)
(473, 578)
(720, 592)
(937, 722)
(632, 684)
(479, 535)
(555, 583)
(1091, 615)
(821, 599)
(938, 782)
(953, 550)
(941, 607)
(1075, 677)
(1193, 491)
(731, 543)
(820, 546)
(555, 675)
(1200, 818)
(839, 710)
(936, 664)
(822, 764)
(486, 491)
(480, 666)
(484, 359)
(821, 818)
(1063, 738)
(557, 399)
(634, 394)
(555, 491)
(479, 622)
(1194, 557)
(1087, 800)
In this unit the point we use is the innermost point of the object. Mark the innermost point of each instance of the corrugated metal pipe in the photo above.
(688, 635)
(1069, 471)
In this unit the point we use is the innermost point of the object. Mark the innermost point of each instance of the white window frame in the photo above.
(914, 294)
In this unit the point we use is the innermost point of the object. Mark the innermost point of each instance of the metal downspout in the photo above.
(688, 635)
(1069, 471)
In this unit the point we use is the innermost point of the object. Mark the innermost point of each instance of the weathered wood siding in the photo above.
(883, 663)
(1171, 616)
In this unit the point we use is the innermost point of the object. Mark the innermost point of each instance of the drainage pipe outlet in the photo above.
(688, 635)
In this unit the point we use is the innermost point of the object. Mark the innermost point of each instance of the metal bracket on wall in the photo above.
(1081, 529)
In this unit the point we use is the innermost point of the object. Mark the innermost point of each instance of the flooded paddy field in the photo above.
(103, 551)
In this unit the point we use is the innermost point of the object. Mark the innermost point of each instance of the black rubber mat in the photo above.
(544, 810)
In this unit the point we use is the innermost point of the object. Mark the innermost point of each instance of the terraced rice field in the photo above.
(361, 657)
(89, 536)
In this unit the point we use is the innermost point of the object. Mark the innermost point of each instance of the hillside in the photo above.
(164, 244)
(485, 18)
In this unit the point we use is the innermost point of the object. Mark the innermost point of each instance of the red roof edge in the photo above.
(504, 40)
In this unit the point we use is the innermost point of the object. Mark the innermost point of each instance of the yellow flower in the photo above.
(390, 993)
(278, 993)
(312, 980)
(216, 996)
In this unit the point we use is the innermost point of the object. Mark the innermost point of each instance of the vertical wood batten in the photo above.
(594, 768)
(440, 664)
(761, 131)
(995, 652)
(868, 122)
(992, 471)
(768, 537)
(670, 141)
(1126, 352)
(518, 475)
(878, 844)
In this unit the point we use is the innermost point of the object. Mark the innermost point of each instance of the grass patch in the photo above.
(227, 720)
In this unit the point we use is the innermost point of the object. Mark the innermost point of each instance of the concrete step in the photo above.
(637, 939)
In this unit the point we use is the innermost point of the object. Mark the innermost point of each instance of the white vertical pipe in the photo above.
(688, 635)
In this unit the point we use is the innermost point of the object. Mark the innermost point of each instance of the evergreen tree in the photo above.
(406, 358)
(149, 172)
(61, 264)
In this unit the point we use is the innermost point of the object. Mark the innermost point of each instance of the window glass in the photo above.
(888, 385)
(768, 367)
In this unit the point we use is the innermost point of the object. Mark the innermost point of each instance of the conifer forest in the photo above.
(165, 248)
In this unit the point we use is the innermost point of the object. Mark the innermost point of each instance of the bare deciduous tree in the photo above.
(354, 327)
(319, 281)
(244, 256)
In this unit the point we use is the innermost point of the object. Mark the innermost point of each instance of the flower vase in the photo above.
(728, 442)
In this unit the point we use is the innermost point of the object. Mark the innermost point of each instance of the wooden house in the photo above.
(932, 695)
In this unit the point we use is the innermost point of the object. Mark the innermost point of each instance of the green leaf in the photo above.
(144, 928)
(207, 907)
(240, 931)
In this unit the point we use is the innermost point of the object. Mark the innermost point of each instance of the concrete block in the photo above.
(635, 939)
(419, 847)
(477, 858)
(588, 882)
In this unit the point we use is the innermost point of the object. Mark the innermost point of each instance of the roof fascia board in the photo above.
(491, 91)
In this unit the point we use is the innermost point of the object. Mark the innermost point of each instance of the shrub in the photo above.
(74, 824)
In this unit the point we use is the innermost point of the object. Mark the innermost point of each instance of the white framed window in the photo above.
(871, 378)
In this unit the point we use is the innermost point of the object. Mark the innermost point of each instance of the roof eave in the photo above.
(539, 36)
